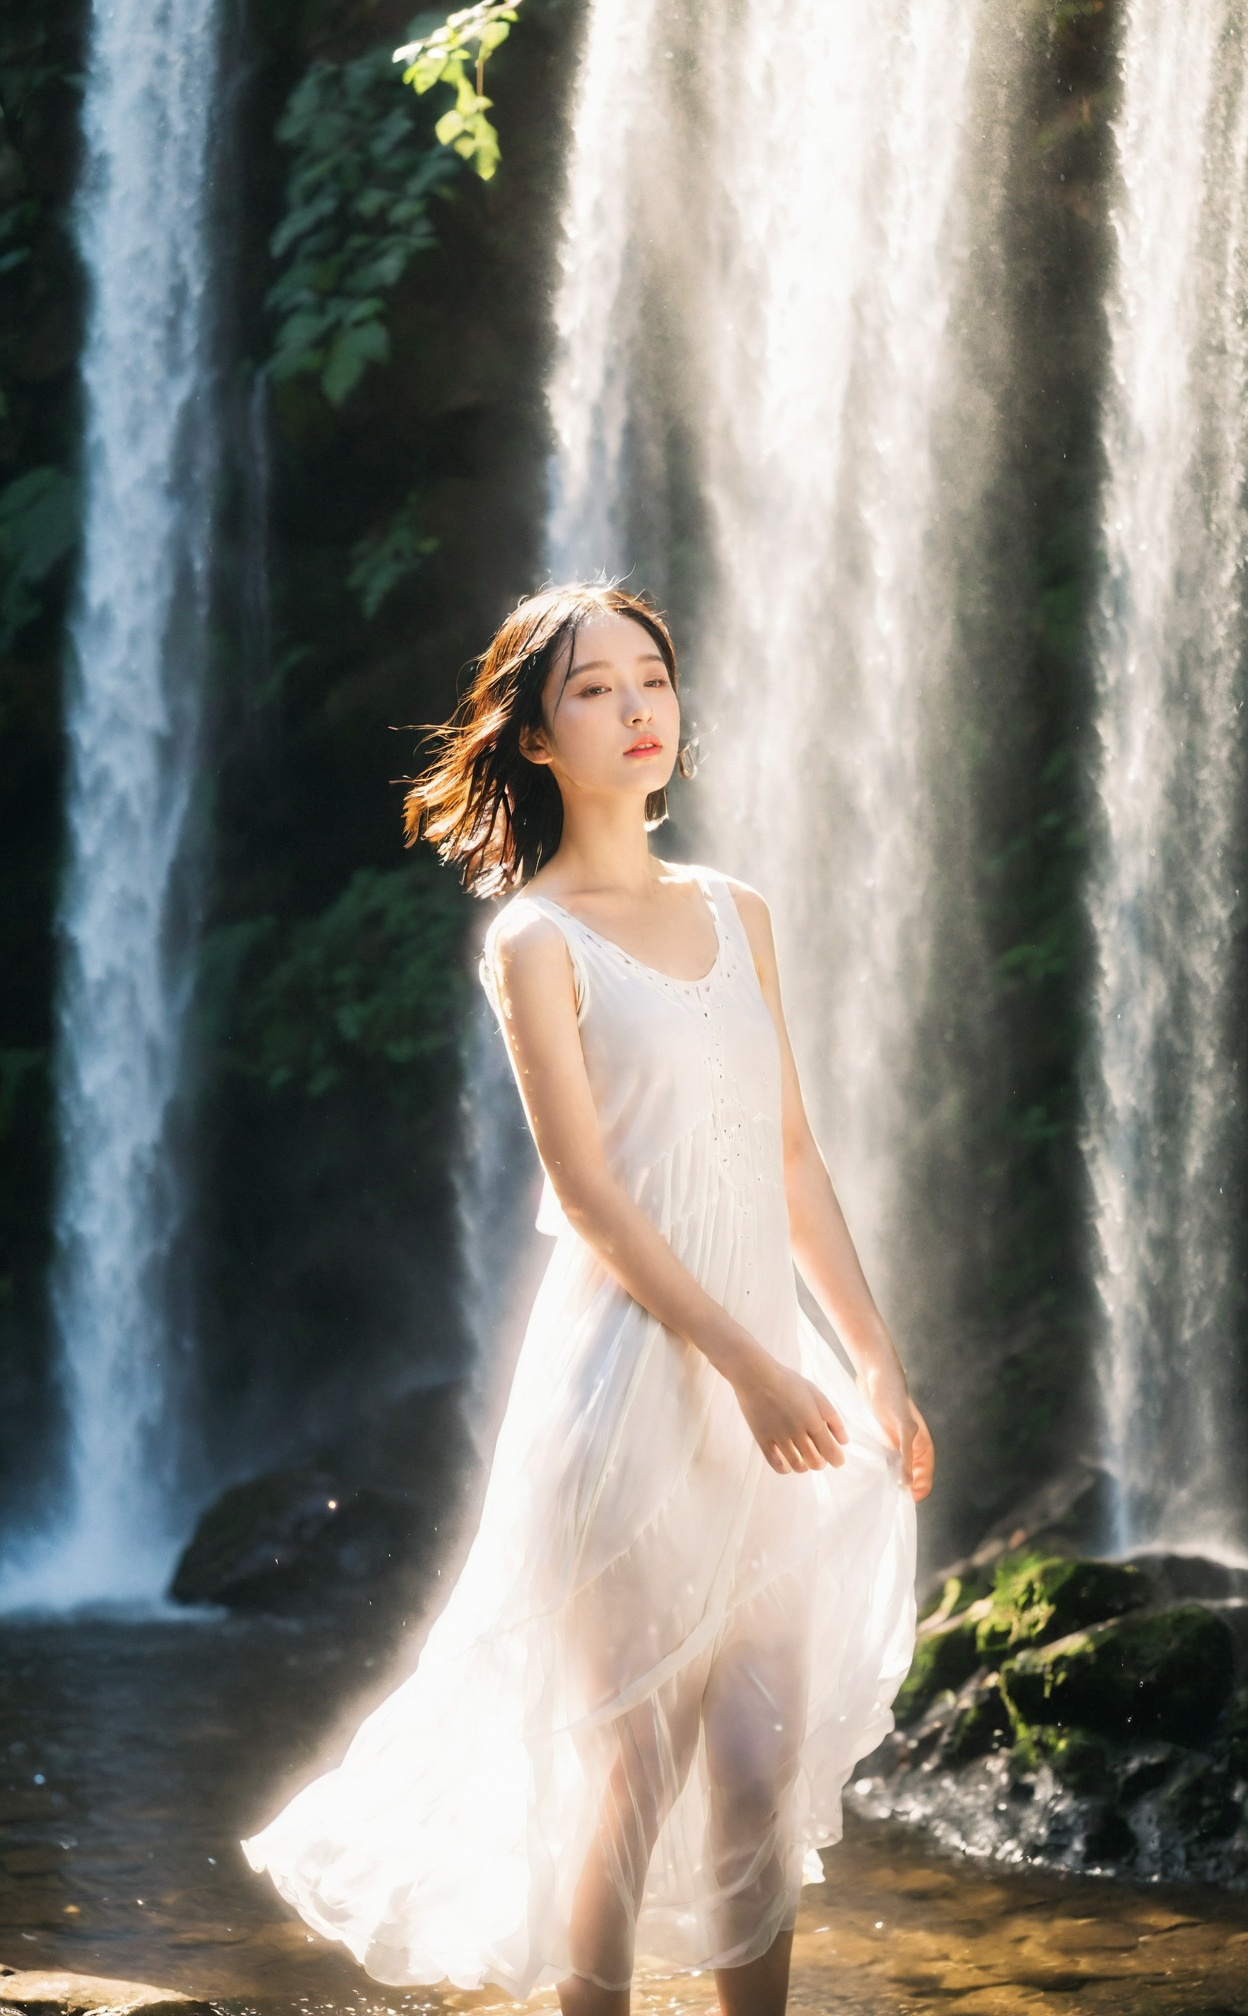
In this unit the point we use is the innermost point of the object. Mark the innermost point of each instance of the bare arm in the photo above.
(822, 1247)
(793, 1423)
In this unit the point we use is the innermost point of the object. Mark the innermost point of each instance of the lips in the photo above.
(646, 747)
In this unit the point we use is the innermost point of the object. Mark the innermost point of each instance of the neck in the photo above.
(605, 845)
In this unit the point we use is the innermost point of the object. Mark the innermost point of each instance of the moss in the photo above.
(1037, 1600)
(943, 1658)
(1083, 1762)
(1168, 1675)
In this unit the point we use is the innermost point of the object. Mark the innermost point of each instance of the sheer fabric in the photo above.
(632, 1724)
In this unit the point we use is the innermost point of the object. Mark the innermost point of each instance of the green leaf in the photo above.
(394, 552)
(350, 354)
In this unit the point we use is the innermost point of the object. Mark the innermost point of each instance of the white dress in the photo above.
(655, 1637)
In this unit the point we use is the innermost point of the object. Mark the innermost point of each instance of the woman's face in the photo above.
(612, 717)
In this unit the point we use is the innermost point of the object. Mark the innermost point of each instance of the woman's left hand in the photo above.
(885, 1388)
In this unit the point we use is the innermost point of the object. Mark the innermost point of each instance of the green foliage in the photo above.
(467, 38)
(373, 984)
(388, 555)
(39, 524)
(363, 175)
(357, 212)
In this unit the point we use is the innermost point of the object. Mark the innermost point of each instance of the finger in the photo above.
(775, 1457)
(794, 1457)
(835, 1423)
(825, 1442)
(812, 1454)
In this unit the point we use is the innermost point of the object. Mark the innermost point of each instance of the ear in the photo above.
(533, 745)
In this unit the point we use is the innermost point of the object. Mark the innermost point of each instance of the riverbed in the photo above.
(139, 1751)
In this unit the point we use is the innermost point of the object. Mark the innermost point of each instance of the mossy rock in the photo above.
(1083, 1762)
(956, 1594)
(1168, 1675)
(1237, 1733)
(943, 1659)
(1037, 1600)
(1202, 1805)
(978, 1727)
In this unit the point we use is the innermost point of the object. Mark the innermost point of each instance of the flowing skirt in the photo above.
(632, 1724)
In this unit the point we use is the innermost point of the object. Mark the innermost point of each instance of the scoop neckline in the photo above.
(655, 972)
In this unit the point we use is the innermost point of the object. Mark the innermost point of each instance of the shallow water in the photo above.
(138, 1753)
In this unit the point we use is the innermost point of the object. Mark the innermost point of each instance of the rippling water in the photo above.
(137, 1754)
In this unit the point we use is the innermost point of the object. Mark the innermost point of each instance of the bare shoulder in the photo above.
(523, 941)
(756, 918)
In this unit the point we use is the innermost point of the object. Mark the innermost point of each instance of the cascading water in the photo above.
(827, 348)
(762, 246)
(1164, 1095)
(127, 908)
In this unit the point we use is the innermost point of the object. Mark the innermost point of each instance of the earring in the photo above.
(686, 762)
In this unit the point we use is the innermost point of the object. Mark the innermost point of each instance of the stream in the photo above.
(138, 1752)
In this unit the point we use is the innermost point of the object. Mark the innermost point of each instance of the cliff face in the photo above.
(41, 306)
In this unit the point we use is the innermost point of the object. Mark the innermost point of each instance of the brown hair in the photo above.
(481, 803)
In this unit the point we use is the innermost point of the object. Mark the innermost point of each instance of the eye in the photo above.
(588, 692)
(659, 679)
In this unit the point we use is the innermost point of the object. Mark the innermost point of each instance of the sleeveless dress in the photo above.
(656, 1638)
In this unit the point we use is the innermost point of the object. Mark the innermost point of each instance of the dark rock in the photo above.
(1167, 1675)
(1109, 1840)
(1201, 1803)
(1035, 1601)
(292, 1534)
(979, 1725)
(944, 1657)
(362, 1517)
(1077, 1759)
(1145, 1771)
(1237, 1733)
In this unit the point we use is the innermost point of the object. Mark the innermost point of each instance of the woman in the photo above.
(690, 1599)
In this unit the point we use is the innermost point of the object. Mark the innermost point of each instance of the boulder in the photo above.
(1167, 1675)
(359, 1516)
(1035, 1601)
(944, 1657)
(291, 1535)
(980, 1724)
(1079, 1760)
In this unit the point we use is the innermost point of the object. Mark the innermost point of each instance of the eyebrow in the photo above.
(597, 664)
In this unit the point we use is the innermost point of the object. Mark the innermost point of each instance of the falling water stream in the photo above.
(762, 246)
(1165, 1104)
(127, 907)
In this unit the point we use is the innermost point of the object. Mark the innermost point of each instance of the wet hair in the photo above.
(481, 802)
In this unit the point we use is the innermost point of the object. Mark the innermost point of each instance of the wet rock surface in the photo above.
(53, 1994)
(1032, 1730)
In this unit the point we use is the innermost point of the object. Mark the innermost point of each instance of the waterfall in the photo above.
(827, 348)
(127, 911)
(1164, 1101)
(763, 243)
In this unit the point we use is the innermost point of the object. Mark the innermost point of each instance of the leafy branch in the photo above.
(445, 57)
(363, 176)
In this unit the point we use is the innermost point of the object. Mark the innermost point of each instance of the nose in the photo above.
(640, 707)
